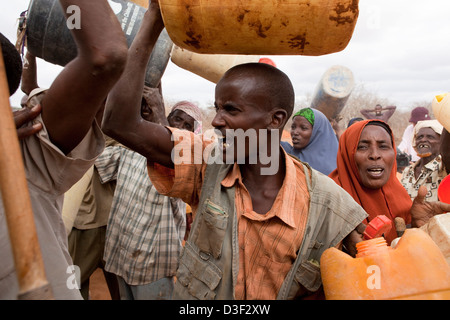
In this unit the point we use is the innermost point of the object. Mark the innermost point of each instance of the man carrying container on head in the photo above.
(261, 218)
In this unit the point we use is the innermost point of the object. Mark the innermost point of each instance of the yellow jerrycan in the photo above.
(441, 109)
(209, 66)
(415, 269)
(438, 228)
(261, 27)
(142, 3)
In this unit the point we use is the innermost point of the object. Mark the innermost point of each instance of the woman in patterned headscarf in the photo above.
(313, 140)
(190, 110)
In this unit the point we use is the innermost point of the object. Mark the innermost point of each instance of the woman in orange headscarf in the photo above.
(366, 169)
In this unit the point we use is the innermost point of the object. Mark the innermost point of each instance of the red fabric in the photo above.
(391, 200)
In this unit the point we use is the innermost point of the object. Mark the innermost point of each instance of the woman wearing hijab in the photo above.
(366, 163)
(183, 112)
(313, 140)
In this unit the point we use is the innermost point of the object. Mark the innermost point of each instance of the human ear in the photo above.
(278, 119)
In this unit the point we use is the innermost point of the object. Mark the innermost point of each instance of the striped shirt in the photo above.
(268, 243)
(145, 229)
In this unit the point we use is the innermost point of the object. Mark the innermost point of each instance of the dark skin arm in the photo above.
(76, 95)
(29, 75)
(367, 113)
(122, 119)
(337, 127)
(371, 113)
(389, 112)
(154, 100)
(353, 238)
(445, 149)
(422, 211)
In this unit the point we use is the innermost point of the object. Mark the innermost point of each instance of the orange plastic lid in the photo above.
(444, 190)
(267, 61)
(377, 227)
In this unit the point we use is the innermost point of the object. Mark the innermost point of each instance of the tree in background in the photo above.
(360, 98)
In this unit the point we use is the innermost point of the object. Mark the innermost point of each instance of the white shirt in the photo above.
(406, 144)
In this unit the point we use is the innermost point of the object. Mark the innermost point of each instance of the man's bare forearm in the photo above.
(77, 93)
(29, 74)
(124, 100)
(122, 119)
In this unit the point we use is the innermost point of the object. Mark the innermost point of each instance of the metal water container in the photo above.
(49, 38)
(333, 91)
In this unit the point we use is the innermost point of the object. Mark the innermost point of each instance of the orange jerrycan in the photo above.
(415, 269)
(270, 27)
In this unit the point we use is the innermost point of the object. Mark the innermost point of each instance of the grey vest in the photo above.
(209, 261)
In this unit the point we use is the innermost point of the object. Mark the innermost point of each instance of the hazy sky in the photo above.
(400, 51)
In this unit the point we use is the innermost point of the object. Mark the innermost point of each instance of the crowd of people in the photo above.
(214, 226)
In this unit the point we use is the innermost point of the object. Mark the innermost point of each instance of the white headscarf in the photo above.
(433, 124)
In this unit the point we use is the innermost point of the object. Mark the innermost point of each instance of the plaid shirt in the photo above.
(430, 176)
(145, 229)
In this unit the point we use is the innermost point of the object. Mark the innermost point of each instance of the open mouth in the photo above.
(146, 113)
(423, 150)
(223, 141)
(145, 109)
(375, 171)
(424, 146)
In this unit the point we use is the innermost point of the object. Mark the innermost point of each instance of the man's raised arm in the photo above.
(122, 118)
(74, 98)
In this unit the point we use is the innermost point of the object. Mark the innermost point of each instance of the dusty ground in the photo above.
(98, 288)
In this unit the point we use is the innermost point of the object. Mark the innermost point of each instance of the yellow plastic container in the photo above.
(438, 228)
(261, 27)
(441, 109)
(142, 3)
(415, 269)
(208, 66)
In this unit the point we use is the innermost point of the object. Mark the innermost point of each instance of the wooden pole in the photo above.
(28, 260)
